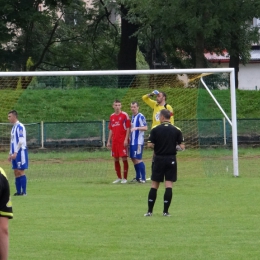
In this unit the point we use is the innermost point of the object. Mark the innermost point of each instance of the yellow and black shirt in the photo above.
(6, 209)
(156, 110)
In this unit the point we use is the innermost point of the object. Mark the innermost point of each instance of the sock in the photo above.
(23, 180)
(125, 162)
(118, 169)
(142, 170)
(137, 171)
(18, 184)
(167, 199)
(151, 199)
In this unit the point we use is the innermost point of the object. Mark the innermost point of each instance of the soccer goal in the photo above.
(68, 111)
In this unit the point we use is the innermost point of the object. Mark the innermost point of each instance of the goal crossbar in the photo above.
(112, 72)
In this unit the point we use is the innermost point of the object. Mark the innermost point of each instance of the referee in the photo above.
(163, 139)
(6, 213)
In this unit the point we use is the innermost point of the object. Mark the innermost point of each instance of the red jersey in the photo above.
(118, 125)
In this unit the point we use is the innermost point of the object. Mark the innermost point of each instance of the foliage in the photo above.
(68, 35)
(140, 61)
(178, 32)
(65, 35)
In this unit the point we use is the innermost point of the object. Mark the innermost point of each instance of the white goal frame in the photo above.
(231, 72)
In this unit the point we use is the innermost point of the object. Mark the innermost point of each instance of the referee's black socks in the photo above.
(151, 199)
(167, 199)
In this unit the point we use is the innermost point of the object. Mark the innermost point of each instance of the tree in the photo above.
(27, 25)
(59, 34)
(128, 43)
(182, 27)
(186, 29)
(238, 36)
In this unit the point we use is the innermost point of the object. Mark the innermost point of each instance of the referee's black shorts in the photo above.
(164, 168)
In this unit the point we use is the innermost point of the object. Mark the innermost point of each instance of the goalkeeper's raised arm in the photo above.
(157, 106)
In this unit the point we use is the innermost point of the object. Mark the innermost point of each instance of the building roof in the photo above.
(213, 57)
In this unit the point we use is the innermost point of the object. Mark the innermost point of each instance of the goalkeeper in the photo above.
(157, 106)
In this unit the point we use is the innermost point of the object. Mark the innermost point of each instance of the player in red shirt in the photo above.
(119, 128)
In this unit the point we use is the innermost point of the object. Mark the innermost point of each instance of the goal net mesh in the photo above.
(66, 118)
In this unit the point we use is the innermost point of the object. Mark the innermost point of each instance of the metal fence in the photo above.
(200, 132)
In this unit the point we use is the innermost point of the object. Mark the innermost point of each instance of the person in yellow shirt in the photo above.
(157, 106)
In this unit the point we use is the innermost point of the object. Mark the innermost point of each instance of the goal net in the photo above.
(66, 117)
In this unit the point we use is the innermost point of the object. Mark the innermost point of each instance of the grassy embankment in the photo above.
(87, 104)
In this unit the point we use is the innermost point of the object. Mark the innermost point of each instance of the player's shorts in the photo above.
(5, 202)
(136, 151)
(119, 150)
(21, 161)
(164, 168)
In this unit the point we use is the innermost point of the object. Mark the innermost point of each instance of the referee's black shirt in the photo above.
(165, 137)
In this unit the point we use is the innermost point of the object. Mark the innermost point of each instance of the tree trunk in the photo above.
(234, 55)
(234, 63)
(128, 45)
(199, 51)
(128, 48)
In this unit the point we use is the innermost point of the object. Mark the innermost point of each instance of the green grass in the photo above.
(86, 104)
(73, 211)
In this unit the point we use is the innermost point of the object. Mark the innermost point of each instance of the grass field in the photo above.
(73, 211)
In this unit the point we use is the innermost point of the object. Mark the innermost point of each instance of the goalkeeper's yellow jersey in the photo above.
(156, 110)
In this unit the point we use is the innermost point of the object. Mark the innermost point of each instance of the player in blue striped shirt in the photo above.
(138, 126)
(18, 153)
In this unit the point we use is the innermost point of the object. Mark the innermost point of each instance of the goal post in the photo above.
(140, 81)
(233, 121)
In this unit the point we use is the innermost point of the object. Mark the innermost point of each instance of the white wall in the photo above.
(249, 76)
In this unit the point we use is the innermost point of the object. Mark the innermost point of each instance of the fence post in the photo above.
(42, 134)
(224, 130)
(104, 133)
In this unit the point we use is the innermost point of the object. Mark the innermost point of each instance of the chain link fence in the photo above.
(207, 133)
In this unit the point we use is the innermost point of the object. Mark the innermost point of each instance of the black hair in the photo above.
(14, 112)
(134, 102)
(165, 113)
(164, 94)
(117, 101)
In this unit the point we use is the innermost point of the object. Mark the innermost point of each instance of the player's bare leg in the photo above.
(4, 245)
(18, 173)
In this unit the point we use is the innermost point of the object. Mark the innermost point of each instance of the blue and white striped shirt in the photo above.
(137, 137)
(18, 138)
